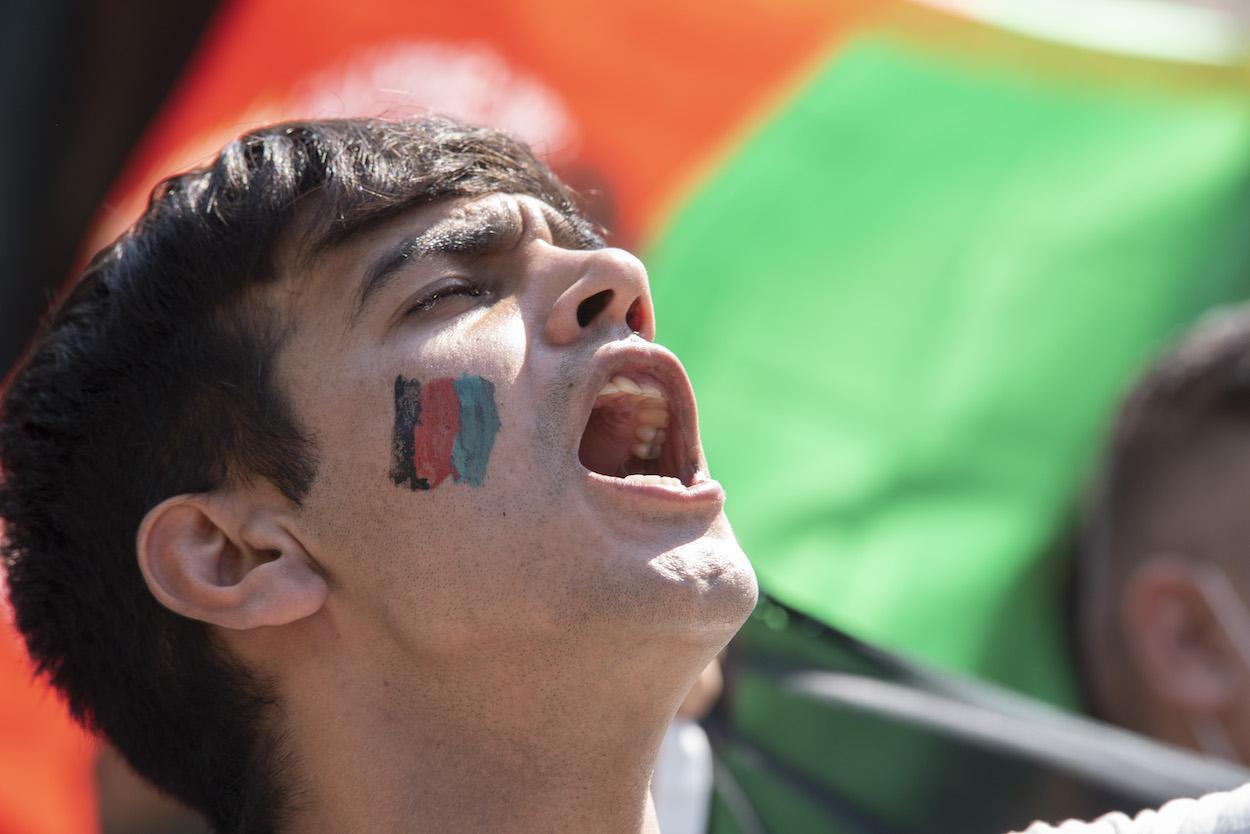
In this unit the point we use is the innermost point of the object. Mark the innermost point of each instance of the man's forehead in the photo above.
(307, 269)
(306, 244)
(468, 225)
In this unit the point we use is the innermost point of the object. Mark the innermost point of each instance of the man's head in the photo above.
(1163, 573)
(339, 395)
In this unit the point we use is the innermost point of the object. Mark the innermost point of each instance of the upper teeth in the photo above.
(653, 415)
(624, 383)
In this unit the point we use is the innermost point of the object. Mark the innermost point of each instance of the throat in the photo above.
(508, 772)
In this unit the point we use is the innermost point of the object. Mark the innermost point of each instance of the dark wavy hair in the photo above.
(155, 377)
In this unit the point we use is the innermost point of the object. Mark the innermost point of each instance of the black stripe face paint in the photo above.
(407, 416)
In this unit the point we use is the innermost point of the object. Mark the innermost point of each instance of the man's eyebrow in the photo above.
(568, 234)
(470, 235)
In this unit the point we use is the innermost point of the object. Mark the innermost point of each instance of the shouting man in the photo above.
(348, 491)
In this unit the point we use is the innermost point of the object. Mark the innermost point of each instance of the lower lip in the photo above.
(702, 493)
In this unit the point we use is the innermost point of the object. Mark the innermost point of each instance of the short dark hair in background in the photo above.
(155, 377)
(1174, 442)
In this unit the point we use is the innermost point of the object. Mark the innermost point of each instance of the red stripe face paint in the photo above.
(435, 434)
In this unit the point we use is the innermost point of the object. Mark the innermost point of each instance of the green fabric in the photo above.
(909, 304)
(822, 733)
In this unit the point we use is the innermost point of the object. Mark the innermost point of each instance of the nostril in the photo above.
(633, 316)
(590, 309)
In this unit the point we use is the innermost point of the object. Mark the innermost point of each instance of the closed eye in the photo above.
(441, 293)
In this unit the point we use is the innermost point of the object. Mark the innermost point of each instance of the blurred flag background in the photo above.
(910, 253)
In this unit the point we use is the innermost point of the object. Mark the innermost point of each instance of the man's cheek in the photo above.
(444, 428)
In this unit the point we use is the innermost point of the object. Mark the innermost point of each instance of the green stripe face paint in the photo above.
(479, 421)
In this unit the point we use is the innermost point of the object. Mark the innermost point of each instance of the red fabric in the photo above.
(47, 763)
(643, 95)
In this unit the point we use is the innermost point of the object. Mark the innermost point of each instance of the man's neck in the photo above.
(495, 746)
(451, 782)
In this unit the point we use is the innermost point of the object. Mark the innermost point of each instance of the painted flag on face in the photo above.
(444, 428)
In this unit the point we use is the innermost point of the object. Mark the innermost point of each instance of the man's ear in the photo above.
(223, 560)
(1177, 641)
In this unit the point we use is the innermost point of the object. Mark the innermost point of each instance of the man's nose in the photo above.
(610, 290)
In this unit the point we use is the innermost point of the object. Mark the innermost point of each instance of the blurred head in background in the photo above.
(1163, 602)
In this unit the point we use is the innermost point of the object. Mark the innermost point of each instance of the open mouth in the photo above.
(633, 434)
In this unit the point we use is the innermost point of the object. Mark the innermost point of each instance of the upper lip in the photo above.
(656, 361)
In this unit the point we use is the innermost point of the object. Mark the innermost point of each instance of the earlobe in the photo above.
(216, 559)
(1176, 640)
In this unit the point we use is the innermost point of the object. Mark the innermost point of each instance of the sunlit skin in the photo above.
(493, 657)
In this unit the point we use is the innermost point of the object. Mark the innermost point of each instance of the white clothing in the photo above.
(682, 785)
(1215, 813)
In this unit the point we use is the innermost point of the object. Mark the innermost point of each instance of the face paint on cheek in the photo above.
(444, 427)
(435, 434)
(407, 416)
(479, 421)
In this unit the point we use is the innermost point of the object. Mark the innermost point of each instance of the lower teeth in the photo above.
(661, 480)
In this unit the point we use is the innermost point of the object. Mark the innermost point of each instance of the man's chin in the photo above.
(663, 573)
(709, 584)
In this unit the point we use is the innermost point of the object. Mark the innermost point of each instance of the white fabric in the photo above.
(1215, 813)
(682, 784)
